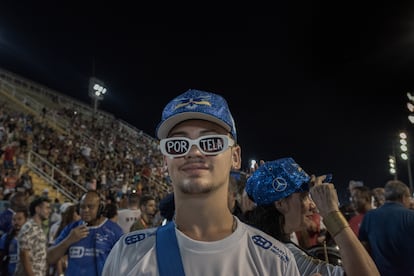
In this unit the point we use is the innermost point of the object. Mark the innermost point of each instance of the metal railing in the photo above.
(48, 172)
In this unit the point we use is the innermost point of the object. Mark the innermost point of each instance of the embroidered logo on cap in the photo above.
(192, 103)
(281, 184)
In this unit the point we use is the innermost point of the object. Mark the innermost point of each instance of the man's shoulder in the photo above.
(257, 232)
(6, 213)
(138, 237)
(113, 226)
(268, 243)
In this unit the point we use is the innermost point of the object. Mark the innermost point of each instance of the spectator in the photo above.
(32, 240)
(9, 152)
(111, 212)
(18, 200)
(361, 203)
(69, 213)
(9, 253)
(10, 181)
(87, 242)
(379, 197)
(236, 187)
(313, 234)
(128, 216)
(280, 189)
(198, 141)
(148, 209)
(167, 208)
(387, 231)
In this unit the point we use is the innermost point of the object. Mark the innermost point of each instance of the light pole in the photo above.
(405, 155)
(393, 166)
(97, 90)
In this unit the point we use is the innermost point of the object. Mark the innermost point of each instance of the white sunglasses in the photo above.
(208, 145)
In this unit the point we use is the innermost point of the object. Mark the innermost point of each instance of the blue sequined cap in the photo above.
(275, 180)
(196, 104)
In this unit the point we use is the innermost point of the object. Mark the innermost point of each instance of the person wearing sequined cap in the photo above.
(281, 190)
(198, 140)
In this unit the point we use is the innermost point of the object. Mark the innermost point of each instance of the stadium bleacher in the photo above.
(102, 145)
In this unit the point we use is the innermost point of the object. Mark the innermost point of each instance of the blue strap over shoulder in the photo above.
(168, 254)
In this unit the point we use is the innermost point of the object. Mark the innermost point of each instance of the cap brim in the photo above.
(165, 127)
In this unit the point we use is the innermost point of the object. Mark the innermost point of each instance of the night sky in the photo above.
(324, 83)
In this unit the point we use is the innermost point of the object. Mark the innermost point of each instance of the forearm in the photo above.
(59, 266)
(26, 263)
(355, 258)
(54, 253)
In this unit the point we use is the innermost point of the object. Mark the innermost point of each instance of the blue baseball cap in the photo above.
(275, 180)
(196, 104)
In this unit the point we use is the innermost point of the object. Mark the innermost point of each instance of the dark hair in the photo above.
(133, 199)
(365, 192)
(111, 210)
(17, 200)
(67, 218)
(268, 219)
(37, 202)
(238, 180)
(145, 198)
(22, 209)
(167, 207)
(395, 190)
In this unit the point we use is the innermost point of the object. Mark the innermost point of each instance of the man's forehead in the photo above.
(90, 197)
(198, 125)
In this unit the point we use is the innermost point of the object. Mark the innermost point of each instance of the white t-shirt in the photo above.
(247, 251)
(127, 217)
(309, 265)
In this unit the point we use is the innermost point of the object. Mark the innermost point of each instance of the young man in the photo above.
(128, 216)
(17, 200)
(33, 241)
(87, 242)
(361, 203)
(198, 141)
(148, 209)
(9, 253)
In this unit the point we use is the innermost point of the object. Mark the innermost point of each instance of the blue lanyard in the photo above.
(168, 254)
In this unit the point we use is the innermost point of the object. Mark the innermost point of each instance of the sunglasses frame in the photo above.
(227, 143)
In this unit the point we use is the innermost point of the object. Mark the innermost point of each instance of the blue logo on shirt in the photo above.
(76, 251)
(262, 242)
(134, 238)
(266, 244)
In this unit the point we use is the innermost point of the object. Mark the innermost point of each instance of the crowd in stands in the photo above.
(119, 163)
(127, 171)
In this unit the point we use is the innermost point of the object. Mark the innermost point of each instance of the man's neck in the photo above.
(37, 219)
(207, 231)
(96, 221)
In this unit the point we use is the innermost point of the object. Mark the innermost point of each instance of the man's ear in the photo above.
(236, 158)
